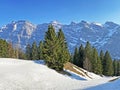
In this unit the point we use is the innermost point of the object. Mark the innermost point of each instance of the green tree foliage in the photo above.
(96, 62)
(88, 57)
(63, 52)
(50, 47)
(115, 67)
(28, 52)
(81, 56)
(118, 68)
(107, 65)
(34, 52)
(55, 49)
(7, 50)
(102, 57)
(75, 57)
(3, 48)
(40, 50)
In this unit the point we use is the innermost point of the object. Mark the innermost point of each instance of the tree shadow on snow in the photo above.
(39, 62)
(75, 76)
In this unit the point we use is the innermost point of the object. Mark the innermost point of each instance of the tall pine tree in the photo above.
(40, 50)
(107, 65)
(81, 55)
(28, 52)
(34, 52)
(88, 56)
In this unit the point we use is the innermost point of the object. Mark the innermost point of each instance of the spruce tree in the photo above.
(118, 68)
(40, 50)
(34, 52)
(75, 57)
(87, 61)
(55, 49)
(115, 67)
(63, 52)
(81, 55)
(102, 58)
(107, 65)
(96, 62)
(28, 52)
(50, 48)
(3, 48)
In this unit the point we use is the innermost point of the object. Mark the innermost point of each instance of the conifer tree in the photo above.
(96, 62)
(3, 48)
(50, 47)
(115, 67)
(107, 65)
(28, 52)
(34, 52)
(75, 57)
(55, 49)
(40, 50)
(63, 52)
(81, 55)
(10, 49)
(87, 61)
(102, 57)
(118, 68)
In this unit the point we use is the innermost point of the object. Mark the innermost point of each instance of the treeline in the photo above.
(88, 58)
(7, 50)
(53, 49)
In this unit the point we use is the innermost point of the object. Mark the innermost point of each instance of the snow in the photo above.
(115, 85)
(14, 27)
(98, 24)
(34, 75)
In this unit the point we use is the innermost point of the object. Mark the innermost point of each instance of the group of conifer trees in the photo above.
(7, 50)
(53, 49)
(88, 58)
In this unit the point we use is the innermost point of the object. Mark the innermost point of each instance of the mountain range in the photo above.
(102, 36)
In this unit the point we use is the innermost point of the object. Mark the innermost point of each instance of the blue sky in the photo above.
(64, 11)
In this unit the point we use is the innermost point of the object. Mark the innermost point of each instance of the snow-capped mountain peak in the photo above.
(98, 24)
(102, 36)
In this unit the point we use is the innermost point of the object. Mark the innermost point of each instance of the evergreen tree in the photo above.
(63, 52)
(3, 48)
(28, 52)
(34, 52)
(102, 58)
(50, 47)
(87, 61)
(21, 54)
(107, 65)
(115, 67)
(96, 62)
(10, 49)
(118, 68)
(81, 55)
(75, 57)
(40, 50)
(55, 49)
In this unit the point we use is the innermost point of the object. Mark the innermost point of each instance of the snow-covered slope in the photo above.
(102, 36)
(34, 75)
(115, 85)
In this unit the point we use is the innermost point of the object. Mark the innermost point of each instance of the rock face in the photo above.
(102, 36)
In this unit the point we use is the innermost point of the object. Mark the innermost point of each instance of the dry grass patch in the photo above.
(79, 71)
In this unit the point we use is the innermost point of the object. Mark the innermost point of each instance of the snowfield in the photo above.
(34, 75)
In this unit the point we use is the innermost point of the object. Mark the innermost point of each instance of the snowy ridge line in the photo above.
(32, 75)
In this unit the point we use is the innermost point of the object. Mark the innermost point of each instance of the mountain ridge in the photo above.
(102, 36)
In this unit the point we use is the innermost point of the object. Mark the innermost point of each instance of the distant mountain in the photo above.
(102, 36)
